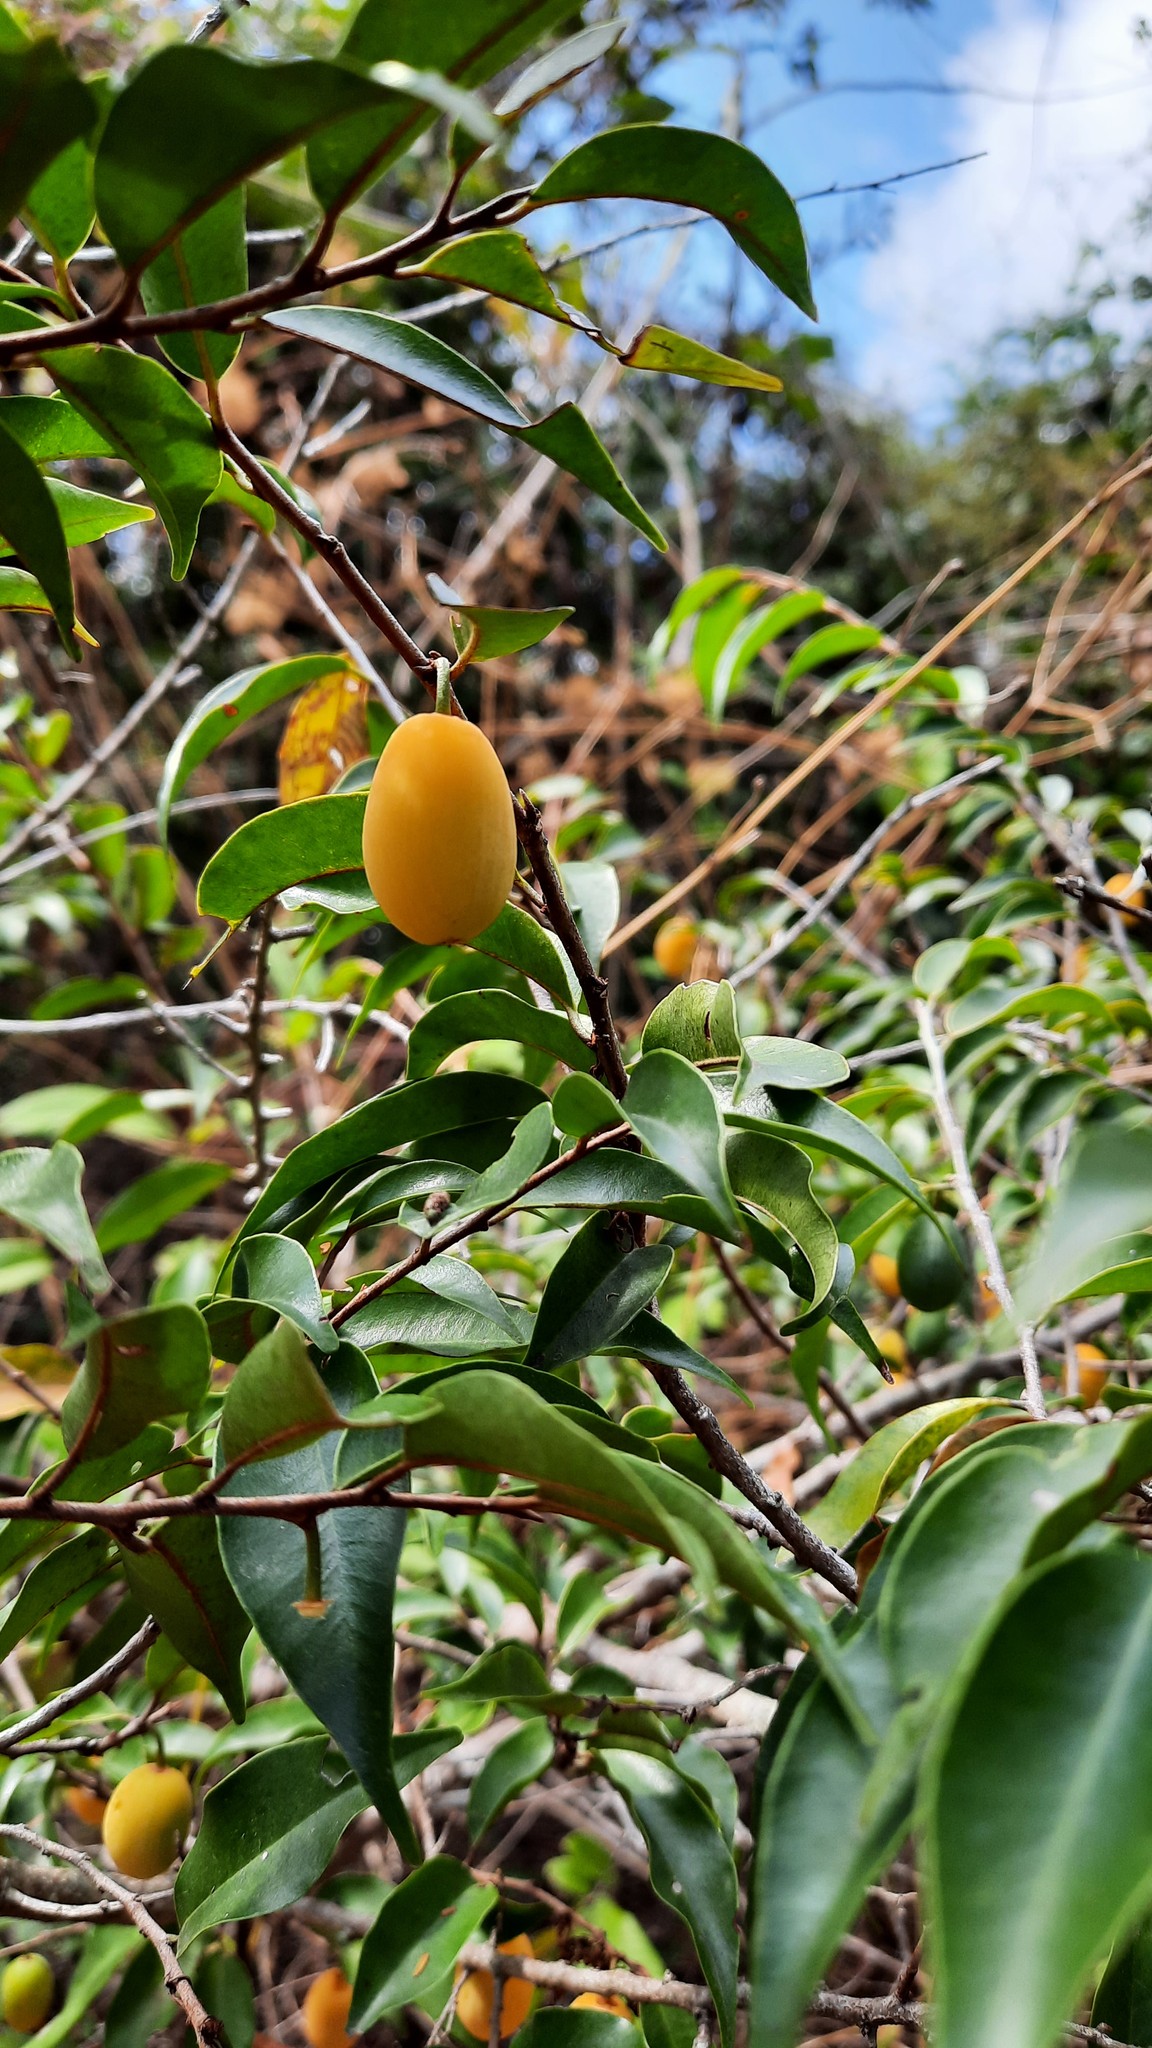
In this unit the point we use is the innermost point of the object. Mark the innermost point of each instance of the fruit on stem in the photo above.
(439, 831)
(474, 2002)
(26, 1993)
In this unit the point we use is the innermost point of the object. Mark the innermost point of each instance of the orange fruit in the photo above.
(1130, 888)
(324, 2013)
(26, 1993)
(882, 1270)
(85, 1805)
(1093, 1369)
(594, 2001)
(890, 1344)
(146, 1819)
(474, 2003)
(674, 947)
(439, 831)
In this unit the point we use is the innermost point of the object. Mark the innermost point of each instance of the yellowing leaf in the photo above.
(42, 1368)
(326, 732)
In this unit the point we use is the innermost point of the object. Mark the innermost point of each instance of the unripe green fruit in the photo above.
(927, 1332)
(931, 1265)
(147, 1817)
(26, 1993)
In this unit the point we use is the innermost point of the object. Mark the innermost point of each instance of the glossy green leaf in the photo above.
(691, 1865)
(593, 892)
(490, 634)
(673, 1110)
(41, 1190)
(581, 1106)
(279, 1273)
(80, 1562)
(178, 1576)
(506, 1771)
(136, 1369)
(20, 592)
(660, 348)
(822, 1126)
(491, 1013)
(519, 941)
(151, 421)
(499, 262)
(51, 430)
(531, 1145)
(61, 206)
(208, 261)
(89, 515)
(888, 1460)
(566, 60)
(469, 41)
(787, 1063)
(1038, 1846)
(831, 643)
(688, 167)
(614, 1179)
(598, 1284)
(321, 835)
(698, 1021)
(693, 599)
(568, 440)
(754, 632)
(424, 1319)
(276, 1397)
(1103, 1193)
(651, 1341)
(340, 1663)
(267, 1834)
(223, 710)
(30, 525)
(417, 1936)
(1123, 2001)
(777, 1177)
(147, 1204)
(45, 107)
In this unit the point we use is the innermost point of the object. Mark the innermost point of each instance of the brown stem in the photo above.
(593, 987)
(255, 1085)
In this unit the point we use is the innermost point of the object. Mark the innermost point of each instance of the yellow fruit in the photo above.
(324, 2013)
(26, 1993)
(593, 2001)
(1130, 888)
(147, 1817)
(439, 831)
(882, 1268)
(890, 1344)
(474, 2003)
(675, 946)
(86, 1806)
(987, 1301)
(1093, 1368)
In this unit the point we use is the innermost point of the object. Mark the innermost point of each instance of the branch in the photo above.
(208, 2032)
(97, 1681)
(593, 986)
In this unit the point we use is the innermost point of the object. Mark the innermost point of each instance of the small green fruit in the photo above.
(931, 1266)
(26, 1993)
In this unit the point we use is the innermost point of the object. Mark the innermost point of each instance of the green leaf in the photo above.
(831, 643)
(559, 2026)
(651, 1341)
(137, 1368)
(787, 1063)
(1123, 2001)
(519, 941)
(276, 1397)
(593, 891)
(1104, 1192)
(822, 1126)
(753, 633)
(51, 430)
(491, 1013)
(688, 167)
(582, 1106)
(499, 262)
(20, 592)
(594, 1290)
(422, 1319)
(41, 1190)
(568, 440)
(507, 1769)
(278, 1272)
(65, 1571)
(500, 1182)
(150, 420)
(341, 1663)
(267, 1834)
(88, 515)
(491, 634)
(320, 835)
(61, 206)
(1035, 1868)
(209, 261)
(691, 1865)
(180, 1579)
(623, 1180)
(43, 108)
(470, 41)
(698, 1021)
(660, 348)
(417, 1936)
(693, 599)
(777, 1177)
(888, 1460)
(147, 1204)
(223, 710)
(31, 527)
(673, 1110)
(554, 69)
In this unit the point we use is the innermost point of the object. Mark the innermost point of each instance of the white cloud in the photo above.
(1000, 240)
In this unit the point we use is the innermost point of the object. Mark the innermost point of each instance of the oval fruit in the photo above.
(26, 1993)
(1129, 888)
(1093, 1367)
(594, 2001)
(674, 949)
(891, 1346)
(931, 1265)
(324, 2013)
(882, 1269)
(147, 1818)
(474, 2002)
(85, 1805)
(439, 831)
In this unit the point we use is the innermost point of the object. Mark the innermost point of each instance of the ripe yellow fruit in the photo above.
(1093, 1368)
(474, 2003)
(890, 1344)
(85, 1805)
(147, 1817)
(674, 947)
(882, 1269)
(26, 1993)
(1134, 898)
(439, 831)
(594, 2001)
(324, 2013)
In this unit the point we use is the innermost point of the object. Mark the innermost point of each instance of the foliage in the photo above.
(441, 1407)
